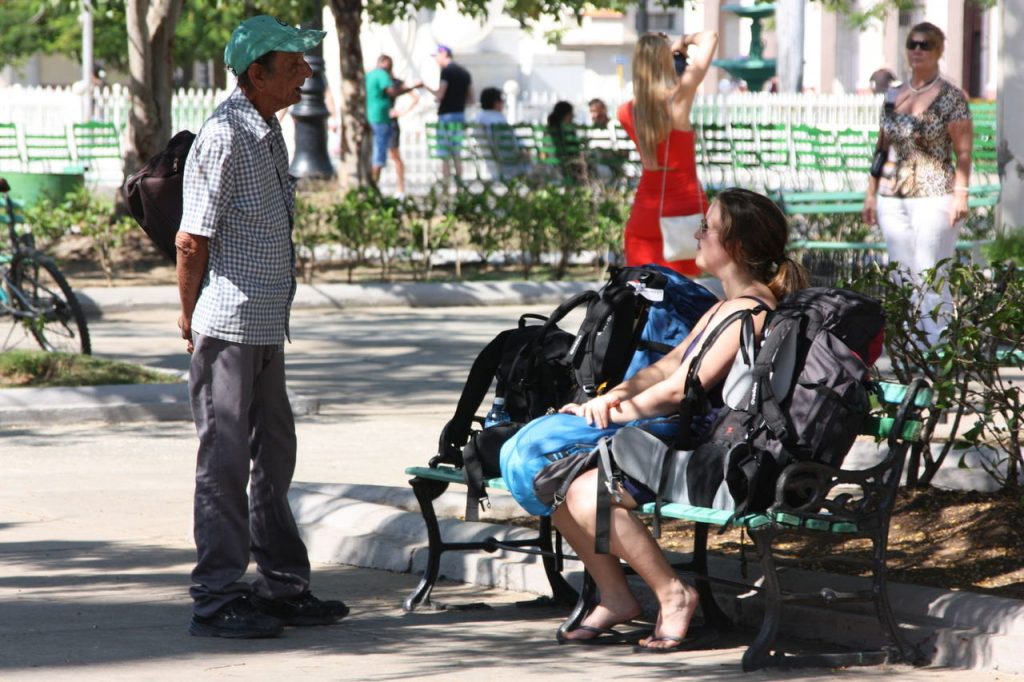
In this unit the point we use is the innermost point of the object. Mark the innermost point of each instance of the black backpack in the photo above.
(541, 367)
(154, 193)
(808, 396)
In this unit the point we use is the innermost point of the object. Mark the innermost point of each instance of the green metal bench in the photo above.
(830, 203)
(836, 504)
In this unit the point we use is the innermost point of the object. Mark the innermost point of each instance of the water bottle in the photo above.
(497, 414)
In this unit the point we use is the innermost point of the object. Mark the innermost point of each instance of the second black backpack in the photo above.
(808, 396)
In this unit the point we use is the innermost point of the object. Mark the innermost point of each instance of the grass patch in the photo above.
(31, 368)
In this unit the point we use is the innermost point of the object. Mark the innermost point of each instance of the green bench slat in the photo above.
(450, 474)
(803, 203)
(717, 517)
(797, 521)
(893, 394)
(962, 245)
(812, 197)
(805, 208)
(881, 427)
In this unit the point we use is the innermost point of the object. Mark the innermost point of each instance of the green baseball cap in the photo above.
(257, 36)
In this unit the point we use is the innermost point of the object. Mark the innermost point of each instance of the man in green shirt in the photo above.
(381, 92)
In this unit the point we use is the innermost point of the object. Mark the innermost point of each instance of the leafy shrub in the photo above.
(1008, 246)
(82, 212)
(968, 365)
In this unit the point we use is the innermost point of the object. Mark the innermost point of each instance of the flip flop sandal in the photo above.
(602, 636)
(696, 638)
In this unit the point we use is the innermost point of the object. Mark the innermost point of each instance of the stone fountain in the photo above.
(754, 69)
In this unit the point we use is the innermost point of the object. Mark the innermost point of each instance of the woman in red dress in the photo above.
(658, 121)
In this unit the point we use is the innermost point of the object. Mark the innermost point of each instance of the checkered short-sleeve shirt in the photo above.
(238, 193)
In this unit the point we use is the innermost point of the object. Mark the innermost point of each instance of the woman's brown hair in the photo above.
(933, 33)
(654, 78)
(755, 232)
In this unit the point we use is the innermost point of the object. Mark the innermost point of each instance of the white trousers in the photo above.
(918, 235)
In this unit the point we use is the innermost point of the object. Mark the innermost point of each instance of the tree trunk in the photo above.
(355, 137)
(151, 26)
(789, 17)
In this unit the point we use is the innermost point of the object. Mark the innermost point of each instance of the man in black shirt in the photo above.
(453, 93)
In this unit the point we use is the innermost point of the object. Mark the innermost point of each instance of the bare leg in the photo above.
(396, 156)
(617, 604)
(631, 542)
(375, 174)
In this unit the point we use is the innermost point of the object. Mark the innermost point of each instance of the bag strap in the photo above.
(476, 492)
(478, 383)
(605, 482)
(694, 393)
(766, 402)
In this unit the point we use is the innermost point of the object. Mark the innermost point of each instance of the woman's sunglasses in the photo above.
(922, 45)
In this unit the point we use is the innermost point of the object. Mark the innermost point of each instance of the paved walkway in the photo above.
(95, 536)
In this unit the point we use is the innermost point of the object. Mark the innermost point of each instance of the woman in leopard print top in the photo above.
(920, 200)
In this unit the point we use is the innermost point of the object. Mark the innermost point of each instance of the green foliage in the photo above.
(352, 226)
(969, 365)
(53, 27)
(1008, 246)
(313, 223)
(82, 212)
(39, 368)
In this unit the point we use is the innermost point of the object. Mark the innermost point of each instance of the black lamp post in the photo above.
(310, 115)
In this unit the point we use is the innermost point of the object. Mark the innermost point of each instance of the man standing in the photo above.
(453, 93)
(236, 280)
(381, 92)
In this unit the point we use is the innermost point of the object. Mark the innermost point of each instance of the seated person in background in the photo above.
(743, 243)
(503, 155)
(562, 142)
(599, 117)
(603, 153)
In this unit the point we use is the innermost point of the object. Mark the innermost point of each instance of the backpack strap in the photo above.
(606, 478)
(765, 400)
(695, 394)
(456, 432)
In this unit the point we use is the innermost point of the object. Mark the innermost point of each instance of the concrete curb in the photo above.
(342, 524)
(119, 403)
(101, 300)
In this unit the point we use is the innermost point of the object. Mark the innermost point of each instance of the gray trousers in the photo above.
(246, 437)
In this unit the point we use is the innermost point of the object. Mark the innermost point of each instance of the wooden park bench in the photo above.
(838, 505)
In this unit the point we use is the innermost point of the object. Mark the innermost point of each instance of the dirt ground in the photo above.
(962, 540)
(940, 538)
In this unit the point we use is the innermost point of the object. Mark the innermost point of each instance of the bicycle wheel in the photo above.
(45, 304)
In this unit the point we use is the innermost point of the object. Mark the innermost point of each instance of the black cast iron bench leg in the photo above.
(561, 591)
(428, 490)
(713, 614)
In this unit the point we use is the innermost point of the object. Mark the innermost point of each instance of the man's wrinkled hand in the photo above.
(185, 325)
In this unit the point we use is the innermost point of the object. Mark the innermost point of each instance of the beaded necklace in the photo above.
(924, 88)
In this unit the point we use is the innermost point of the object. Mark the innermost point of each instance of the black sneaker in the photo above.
(238, 619)
(305, 609)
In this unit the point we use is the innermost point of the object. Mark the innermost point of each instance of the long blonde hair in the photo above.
(654, 78)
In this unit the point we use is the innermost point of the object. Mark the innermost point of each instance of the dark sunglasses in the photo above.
(923, 45)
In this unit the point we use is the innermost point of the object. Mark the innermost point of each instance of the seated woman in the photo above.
(742, 242)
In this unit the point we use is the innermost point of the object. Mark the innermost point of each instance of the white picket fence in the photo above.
(49, 109)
